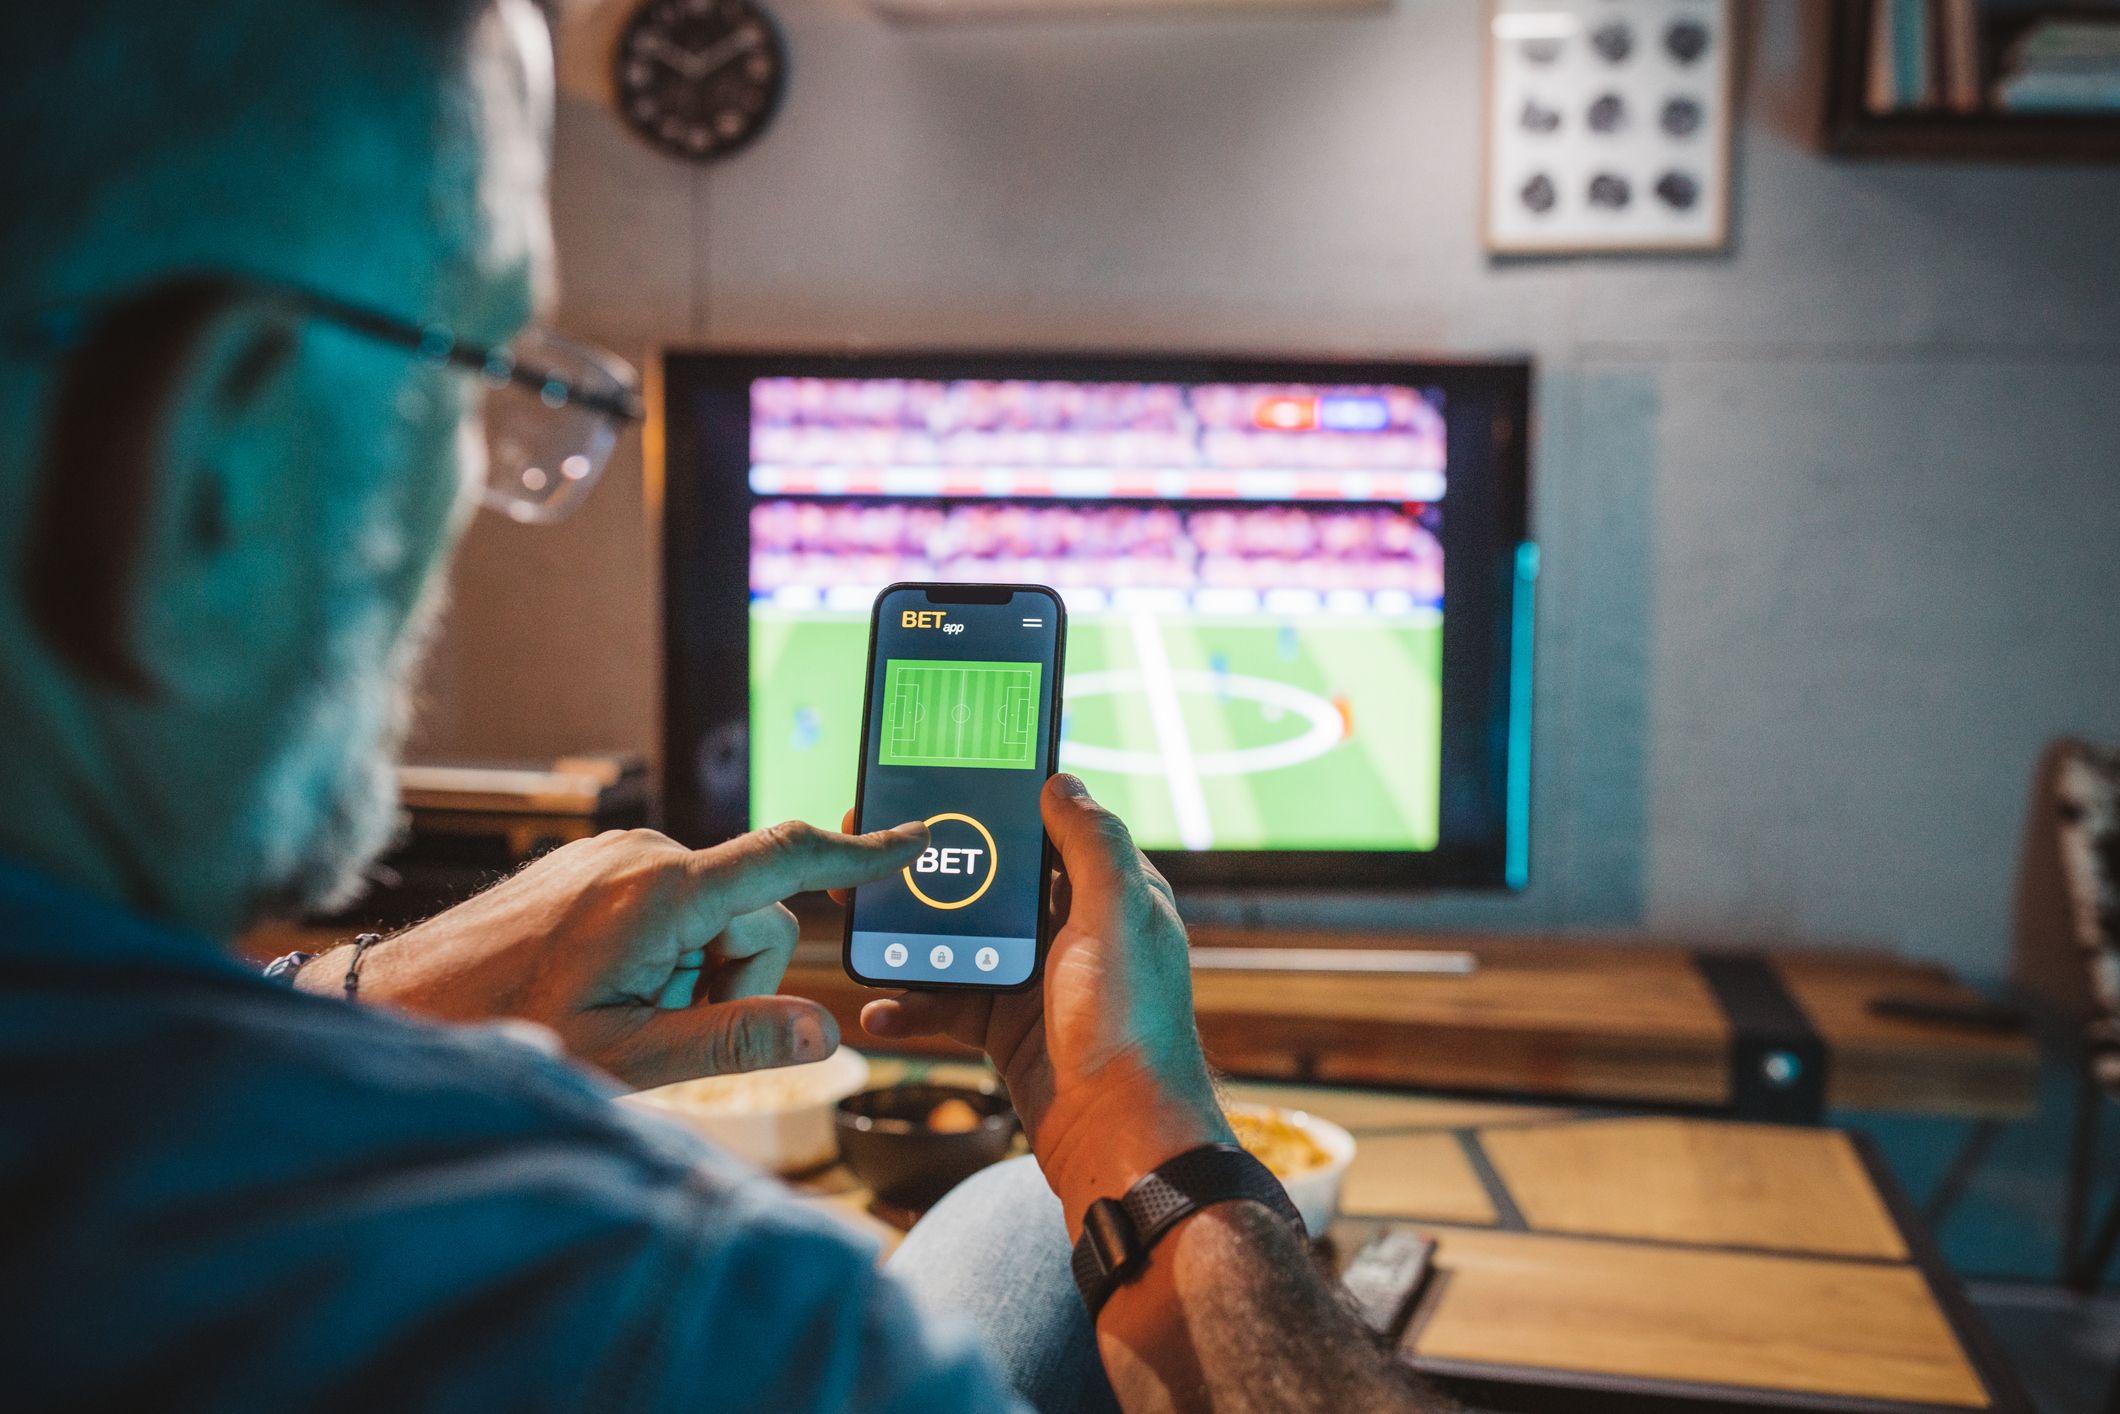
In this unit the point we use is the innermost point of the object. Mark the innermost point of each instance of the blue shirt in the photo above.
(216, 1192)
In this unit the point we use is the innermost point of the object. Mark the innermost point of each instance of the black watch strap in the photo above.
(1119, 1233)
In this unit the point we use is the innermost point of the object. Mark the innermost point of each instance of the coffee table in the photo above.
(1592, 1259)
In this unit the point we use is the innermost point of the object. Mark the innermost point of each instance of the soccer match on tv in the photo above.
(1252, 573)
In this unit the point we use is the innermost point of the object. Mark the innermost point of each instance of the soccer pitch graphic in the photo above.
(959, 713)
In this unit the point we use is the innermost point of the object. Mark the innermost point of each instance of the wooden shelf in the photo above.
(1851, 130)
(1989, 137)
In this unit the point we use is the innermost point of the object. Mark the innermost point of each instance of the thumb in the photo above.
(1095, 847)
(752, 1033)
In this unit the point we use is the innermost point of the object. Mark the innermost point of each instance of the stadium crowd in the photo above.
(826, 543)
(914, 423)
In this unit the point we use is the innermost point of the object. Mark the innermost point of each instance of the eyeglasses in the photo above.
(554, 406)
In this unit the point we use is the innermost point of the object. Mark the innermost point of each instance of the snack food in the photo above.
(952, 1117)
(1278, 1142)
(1308, 1154)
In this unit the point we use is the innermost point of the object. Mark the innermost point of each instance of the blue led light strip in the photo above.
(1516, 863)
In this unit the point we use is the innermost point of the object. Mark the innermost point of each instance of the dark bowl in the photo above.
(884, 1138)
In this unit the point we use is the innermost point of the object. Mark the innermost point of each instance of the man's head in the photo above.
(220, 520)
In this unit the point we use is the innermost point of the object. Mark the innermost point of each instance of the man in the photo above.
(252, 245)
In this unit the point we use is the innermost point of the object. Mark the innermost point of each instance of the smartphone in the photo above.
(960, 727)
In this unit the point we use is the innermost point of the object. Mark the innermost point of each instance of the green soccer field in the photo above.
(1203, 731)
(944, 713)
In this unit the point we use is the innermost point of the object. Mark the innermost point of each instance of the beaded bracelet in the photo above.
(361, 944)
(283, 969)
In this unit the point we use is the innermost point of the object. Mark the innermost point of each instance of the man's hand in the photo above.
(655, 962)
(1229, 1313)
(1102, 1058)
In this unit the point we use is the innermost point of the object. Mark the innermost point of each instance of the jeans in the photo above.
(994, 1252)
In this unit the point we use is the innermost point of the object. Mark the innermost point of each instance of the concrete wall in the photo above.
(1831, 523)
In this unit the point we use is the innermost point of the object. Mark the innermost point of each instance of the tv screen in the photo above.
(1291, 588)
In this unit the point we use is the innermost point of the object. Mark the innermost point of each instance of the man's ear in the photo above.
(154, 568)
(218, 609)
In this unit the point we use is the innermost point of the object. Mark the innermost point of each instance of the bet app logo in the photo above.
(958, 864)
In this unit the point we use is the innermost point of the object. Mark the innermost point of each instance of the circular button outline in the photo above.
(941, 957)
(979, 959)
(993, 862)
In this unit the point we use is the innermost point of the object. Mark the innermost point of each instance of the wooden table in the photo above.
(1658, 1258)
(1648, 1261)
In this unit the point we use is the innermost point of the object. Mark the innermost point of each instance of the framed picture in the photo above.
(1609, 125)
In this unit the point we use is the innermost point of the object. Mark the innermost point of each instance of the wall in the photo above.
(1831, 523)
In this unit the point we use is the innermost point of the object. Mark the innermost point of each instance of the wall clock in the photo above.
(699, 78)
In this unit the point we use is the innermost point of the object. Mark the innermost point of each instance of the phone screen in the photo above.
(961, 727)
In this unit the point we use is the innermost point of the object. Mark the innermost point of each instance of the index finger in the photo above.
(843, 897)
(766, 866)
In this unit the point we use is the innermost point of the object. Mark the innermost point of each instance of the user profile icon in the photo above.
(894, 955)
(941, 957)
(986, 959)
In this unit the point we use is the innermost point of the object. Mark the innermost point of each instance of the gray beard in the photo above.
(357, 823)
(333, 809)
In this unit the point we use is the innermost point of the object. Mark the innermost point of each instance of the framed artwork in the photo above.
(1609, 125)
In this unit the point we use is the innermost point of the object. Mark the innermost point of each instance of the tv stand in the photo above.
(1424, 962)
(1581, 1017)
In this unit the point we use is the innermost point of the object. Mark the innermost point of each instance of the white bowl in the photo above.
(780, 1120)
(1315, 1192)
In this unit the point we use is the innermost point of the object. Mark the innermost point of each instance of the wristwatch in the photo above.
(1119, 1233)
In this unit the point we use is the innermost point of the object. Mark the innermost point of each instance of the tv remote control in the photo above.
(1386, 1276)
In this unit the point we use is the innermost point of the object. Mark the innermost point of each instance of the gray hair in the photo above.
(306, 141)
(145, 136)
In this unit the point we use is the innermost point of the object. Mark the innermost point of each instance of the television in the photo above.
(1298, 591)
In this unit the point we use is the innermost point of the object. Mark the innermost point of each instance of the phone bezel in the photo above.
(965, 593)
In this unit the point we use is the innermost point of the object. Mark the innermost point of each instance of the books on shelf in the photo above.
(1960, 58)
(2062, 63)
(1933, 56)
(1925, 56)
